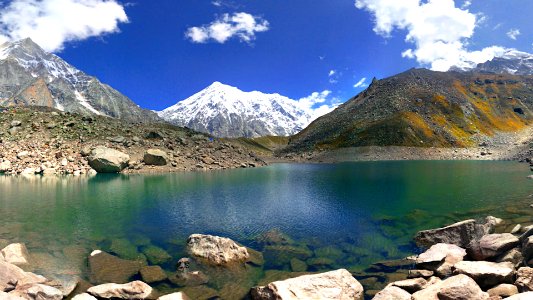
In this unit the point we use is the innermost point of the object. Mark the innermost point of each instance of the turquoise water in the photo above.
(367, 212)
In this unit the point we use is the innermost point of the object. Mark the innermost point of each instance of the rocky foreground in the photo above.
(44, 141)
(463, 261)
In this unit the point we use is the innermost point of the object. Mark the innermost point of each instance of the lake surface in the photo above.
(346, 215)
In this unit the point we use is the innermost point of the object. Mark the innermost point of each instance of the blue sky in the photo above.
(302, 47)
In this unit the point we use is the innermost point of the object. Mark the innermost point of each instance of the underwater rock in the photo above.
(105, 268)
(156, 255)
(151, 274)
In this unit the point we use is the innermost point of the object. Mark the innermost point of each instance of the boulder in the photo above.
(392, 293)
(151, 274)
(492, 245)
(459, 234)
(459, 287)
(37, 291)
(503, 290)
(486, 274)
(522, 296)
(175, 296)
(420, 273)
(339, 284)
(106, 160)
(411, 285)
(16, 254)
(105, 268)
(216, 250)
(527, 248)
(11, 275)
(155, 157)
(524, 279)
(513, 256)
(132, 290)
(439, 253)
(84, 296)
(5, 166)
(156, 255)
(6, 296)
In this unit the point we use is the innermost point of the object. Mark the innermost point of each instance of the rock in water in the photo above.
(106, 160)
(460, 234)
(132, 290)
(216, 250)
(155, 157)
(339, 284)
(37, 291)
(105, 268)
(16, 254)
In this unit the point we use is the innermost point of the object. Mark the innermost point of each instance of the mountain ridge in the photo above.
(31, 76)
(226, 111)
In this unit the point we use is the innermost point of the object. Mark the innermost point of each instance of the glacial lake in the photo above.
(347, 215)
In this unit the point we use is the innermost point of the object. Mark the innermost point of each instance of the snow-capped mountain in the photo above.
(31, 76)
(226, 111)
(511, 62)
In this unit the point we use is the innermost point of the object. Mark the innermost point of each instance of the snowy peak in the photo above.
(226, 111)
(511, 62)
(31, 76)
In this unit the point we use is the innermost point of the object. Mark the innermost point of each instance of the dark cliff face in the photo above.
(31, 76)
(423, 108)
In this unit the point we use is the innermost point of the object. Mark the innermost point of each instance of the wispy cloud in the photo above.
(513, 33)
(242, 26)
(318, 104)
(361, 83)
(438, 29)
(52, 23)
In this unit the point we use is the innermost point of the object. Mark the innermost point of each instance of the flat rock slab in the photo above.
(486, 274)
(459, 234)
(132, 290)
(339, 284)
(411, 285)
(492, 245)
(441, 252)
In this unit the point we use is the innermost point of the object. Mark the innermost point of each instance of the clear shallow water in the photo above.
(369, 211)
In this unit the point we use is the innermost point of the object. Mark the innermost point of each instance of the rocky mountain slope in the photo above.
(422, 108)
(29, 76)
(40, 140)
(225, 111)
(512, 62)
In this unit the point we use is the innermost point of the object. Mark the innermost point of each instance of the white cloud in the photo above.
(316, 104)
(52, 23)
(438, 29)
(241, 25)
(361, 83)
(466, 4)
(332, 72)
(513, 33)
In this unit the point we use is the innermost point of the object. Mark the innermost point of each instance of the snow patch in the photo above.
(86, 103)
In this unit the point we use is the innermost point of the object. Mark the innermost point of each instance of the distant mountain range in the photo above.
(226, 111)
(512, 62)
(31, 76)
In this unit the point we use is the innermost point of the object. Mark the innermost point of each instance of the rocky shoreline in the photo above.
(49, 142)
(465, 260)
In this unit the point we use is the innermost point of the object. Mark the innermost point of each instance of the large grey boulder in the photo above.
(459, 287)
(216, 250)
(339, 284)
(155, 157)
(486, 274)
(492, 245)
(107, 160)
(460, 234)
(131, 290)
(11, 276)
(106, 268)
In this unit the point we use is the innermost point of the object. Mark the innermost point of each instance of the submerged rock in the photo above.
(107, 160)
(156, 255)
(105, 268)
(151, 274)
(132, 290)
(216, 250)
(339, 284)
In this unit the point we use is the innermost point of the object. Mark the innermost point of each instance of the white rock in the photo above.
(16, 254)
(216, 250)
(132, 290)
(175, 296)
